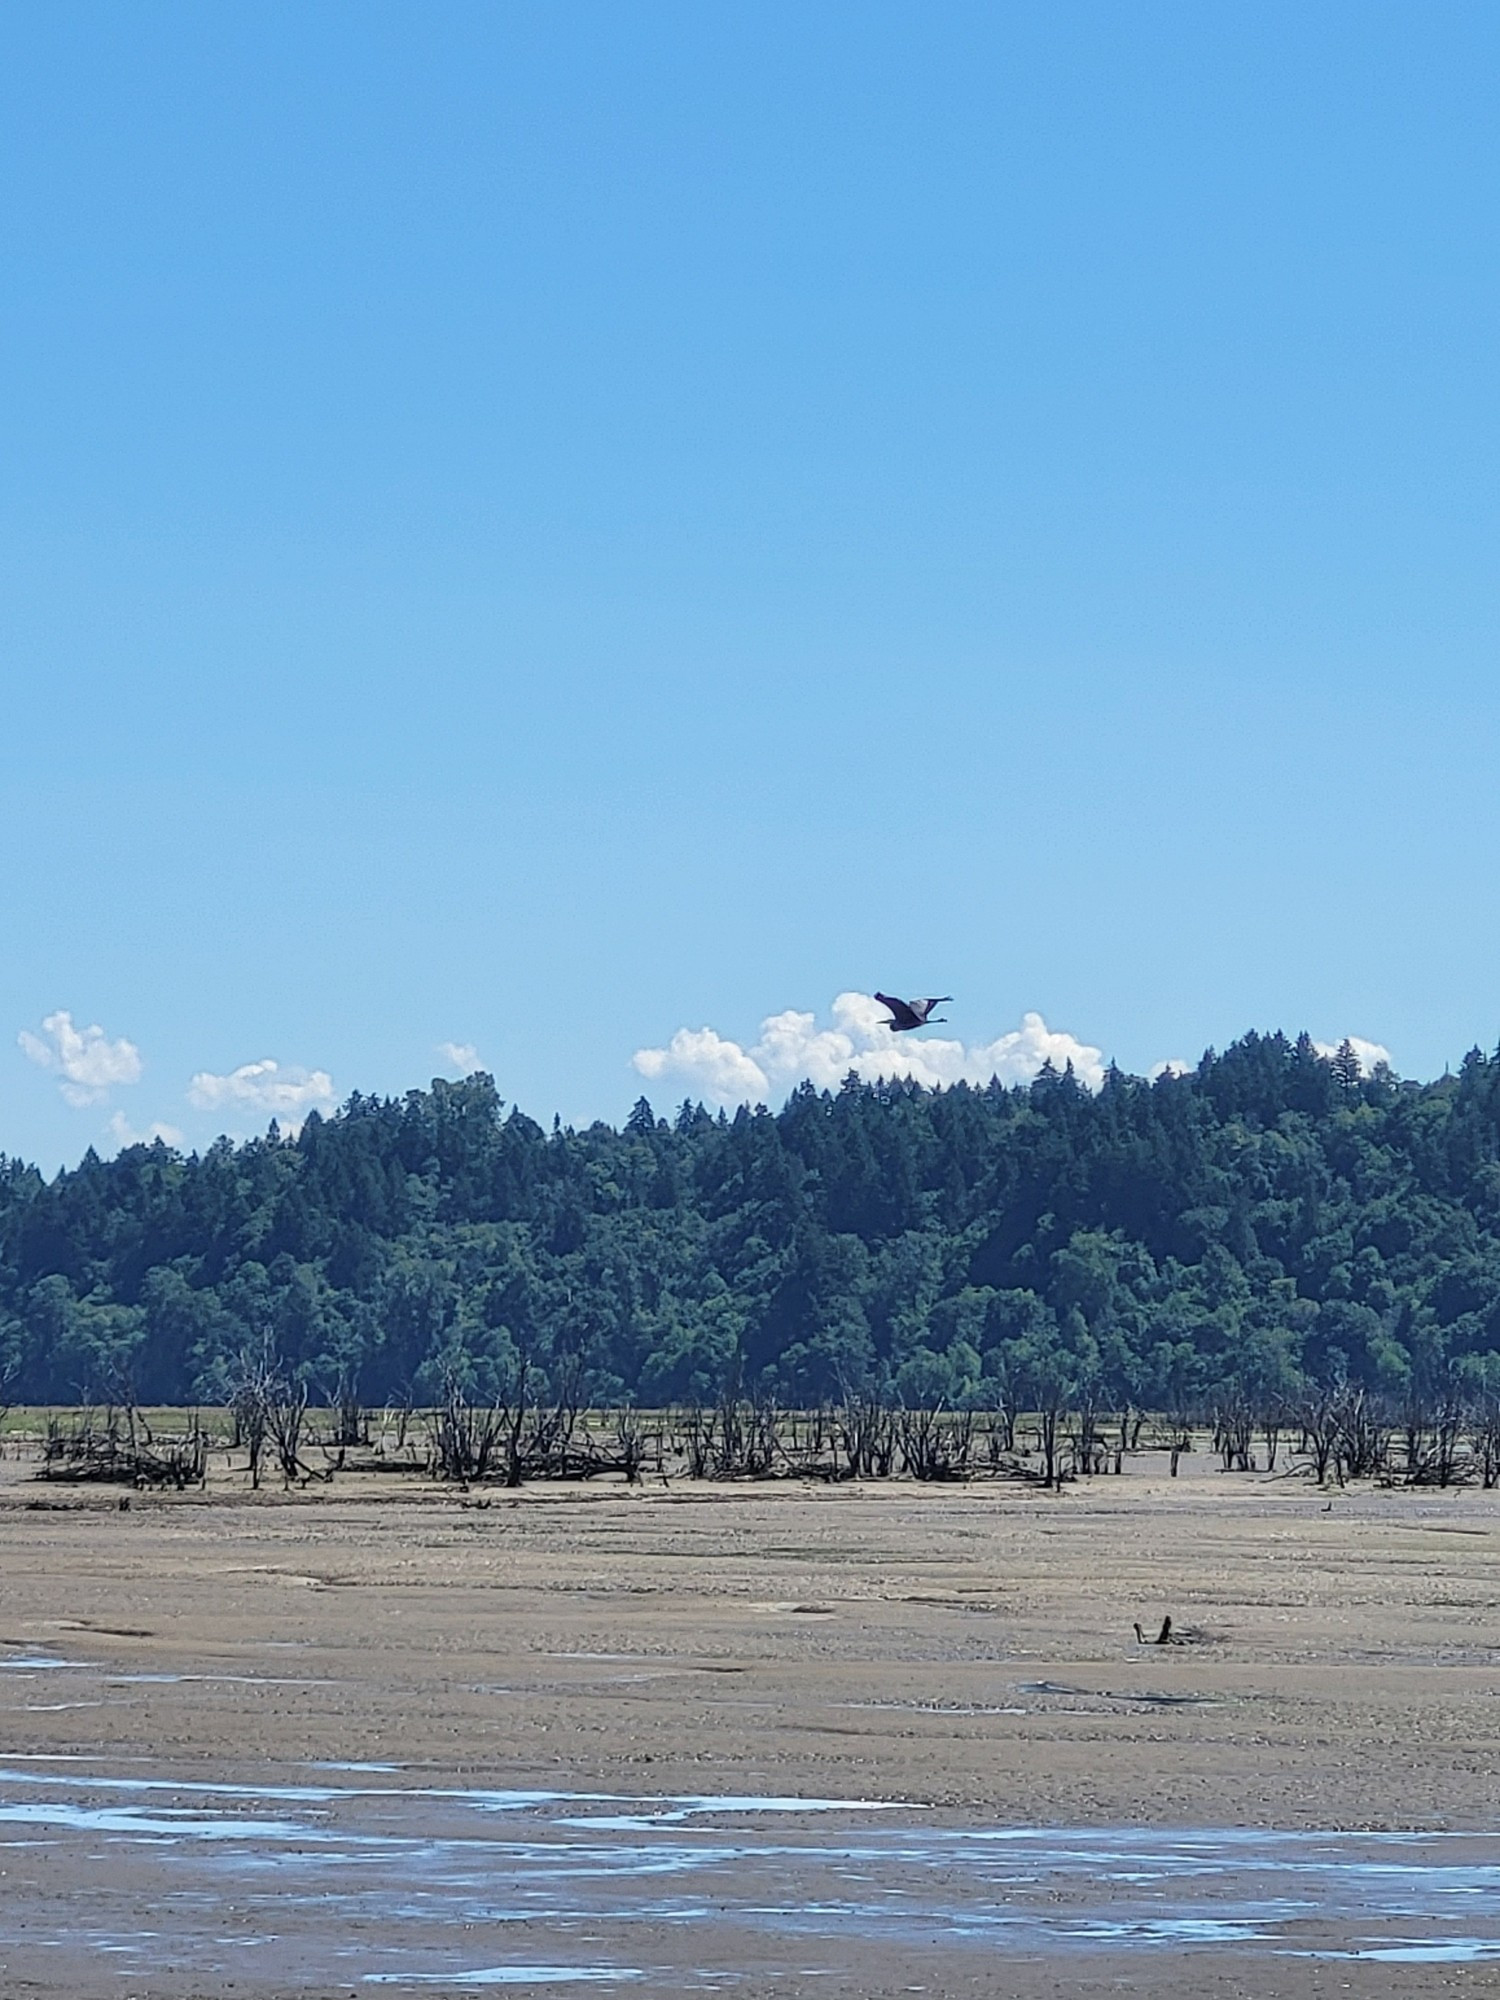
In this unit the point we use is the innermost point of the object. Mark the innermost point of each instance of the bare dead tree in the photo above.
(997, 1437)
(9, 1372)
(120, 1387)
(398, 1413)
(1086, 1434)
(761, 1436)
(731, 1454)
(798, 1435)
(1132, 1422)
(1484, 1438)
(1180, 1419)
(286, 1412)
(1052, 1392)
(1234, 1423)
(1433, 1423)
(554, 1447)
(464, 1436)
(350, 1423)
(269, 1406)
(744, 1436)
(865, 1434)
(249, 1401)
(1362, 1443)
(1272, 1417)
(515, 1424)
(1006, 1393)
(631, 1445)
(934, 1443)
(1320, 1417)
(698, 1440)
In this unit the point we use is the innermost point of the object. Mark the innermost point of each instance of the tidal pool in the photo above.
(366, 1875)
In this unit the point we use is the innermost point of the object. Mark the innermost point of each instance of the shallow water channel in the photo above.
(367, 1876)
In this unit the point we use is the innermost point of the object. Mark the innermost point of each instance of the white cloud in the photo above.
(1173, 1066)
(720, 1069)
(792, 1047)
(462, 1056)
(1370, 1053)
(1016, 1057)
(124, 1134)
(267, 1088)
(88, 1063)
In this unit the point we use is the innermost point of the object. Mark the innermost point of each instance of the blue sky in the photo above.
(536, 527)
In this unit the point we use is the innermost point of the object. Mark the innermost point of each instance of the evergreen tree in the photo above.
(1269, 1215)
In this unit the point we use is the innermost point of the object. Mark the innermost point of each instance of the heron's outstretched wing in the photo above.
(924, 1007)
(902, 1016)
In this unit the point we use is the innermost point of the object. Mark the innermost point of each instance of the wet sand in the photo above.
(965, 1651)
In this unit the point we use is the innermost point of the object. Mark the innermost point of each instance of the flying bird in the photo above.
(906, 1014)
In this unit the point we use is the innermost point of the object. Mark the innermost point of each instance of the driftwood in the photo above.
(115, 1450)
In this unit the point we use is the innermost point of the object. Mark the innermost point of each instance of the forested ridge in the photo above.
(1272, 1218)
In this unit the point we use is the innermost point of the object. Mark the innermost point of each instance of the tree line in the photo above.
(1268, 1226)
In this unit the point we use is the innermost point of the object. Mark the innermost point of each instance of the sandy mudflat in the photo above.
(965, 1650)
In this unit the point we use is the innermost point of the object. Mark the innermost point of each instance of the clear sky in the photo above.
(533, 527)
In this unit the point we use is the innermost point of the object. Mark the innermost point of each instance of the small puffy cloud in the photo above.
(87, 1062)
(462, 1056)
(1173, 1066)
(1371, 1054)
(124, 1133)
(267, 1089)
(792, 1047)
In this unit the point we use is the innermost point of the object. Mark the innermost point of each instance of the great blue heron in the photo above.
(908, 1014)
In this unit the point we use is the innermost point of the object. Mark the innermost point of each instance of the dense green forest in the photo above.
(1271, 1218)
